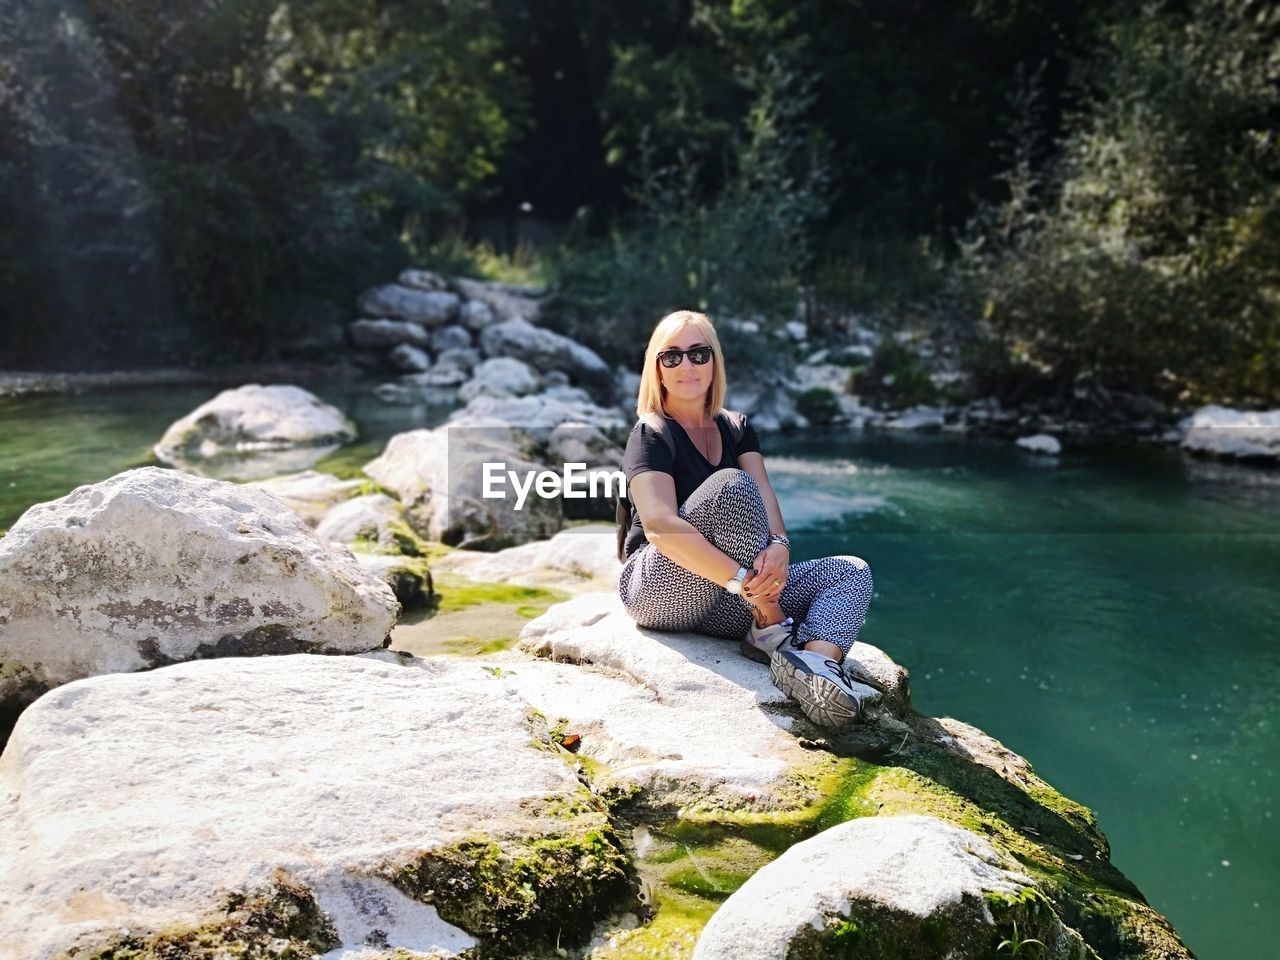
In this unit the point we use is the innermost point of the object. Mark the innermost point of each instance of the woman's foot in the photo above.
(819, 684)
(760, 643)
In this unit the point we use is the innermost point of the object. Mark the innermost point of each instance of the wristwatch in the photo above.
(780, 538)
(735, 582)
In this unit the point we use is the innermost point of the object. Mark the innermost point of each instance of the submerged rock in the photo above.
(910, 887)
(362, 801)
(154, 566)
(254, 422)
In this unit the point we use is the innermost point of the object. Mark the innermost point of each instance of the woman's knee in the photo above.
(857, 570)
(731, 480)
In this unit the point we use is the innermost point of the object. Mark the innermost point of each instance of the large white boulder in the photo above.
(431, 308)
(370, 517)
(1224, 432)
(154, 566)
(683, 716)
(545, 350)
(439, 476)
(252, 422)
(913, 887)
(403, 799)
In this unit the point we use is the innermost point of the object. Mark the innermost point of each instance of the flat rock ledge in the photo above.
(915, 885)
(304, 805)
(682, 718)
(579, 559)
(154, 566)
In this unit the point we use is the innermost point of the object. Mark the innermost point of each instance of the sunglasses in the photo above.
(673, 358)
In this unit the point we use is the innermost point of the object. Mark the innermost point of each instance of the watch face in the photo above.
(734, 585)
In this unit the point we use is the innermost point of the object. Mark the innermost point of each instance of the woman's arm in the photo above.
(654, 494)
(774, 561)
(753, 463)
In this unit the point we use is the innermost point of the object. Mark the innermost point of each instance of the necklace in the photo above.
(689, 431)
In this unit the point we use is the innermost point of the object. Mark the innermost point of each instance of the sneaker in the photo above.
(820, 686)
(760, 642)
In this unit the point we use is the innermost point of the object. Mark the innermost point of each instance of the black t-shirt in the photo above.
(647, 451)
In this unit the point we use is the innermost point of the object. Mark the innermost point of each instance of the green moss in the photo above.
(286, 915)
(520, 894)
(458, 593)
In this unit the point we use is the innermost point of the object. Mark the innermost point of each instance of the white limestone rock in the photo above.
(439, 477)
(248, 424)
(422, 280)
(1224, 432)
(900, 880)
(545, 350)
(153, 566)
(449, 337)
(408, 577)
(577, 559)
(683, 716)
(409, 359)
(769, 405)
(310, 494)
(387, 333)
(500, 377)
(370, 518)
(503, 302)
(828, 376)
(536, 416)
(329, 774)
(1042, 443)
(431, 308)
(476, 315)
(919, 417)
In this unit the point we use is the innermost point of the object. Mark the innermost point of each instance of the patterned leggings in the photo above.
(830, 595)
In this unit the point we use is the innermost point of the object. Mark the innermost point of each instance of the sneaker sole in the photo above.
(820, 700)
(753, 652)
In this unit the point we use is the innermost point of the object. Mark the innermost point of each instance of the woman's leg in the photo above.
(658, 593)
(831, 596)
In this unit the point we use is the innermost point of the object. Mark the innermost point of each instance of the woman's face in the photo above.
(687, 381)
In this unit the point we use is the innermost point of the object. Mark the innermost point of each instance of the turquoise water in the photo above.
(1112, 616)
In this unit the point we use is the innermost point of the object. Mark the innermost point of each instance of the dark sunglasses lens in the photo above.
(670, 358)
(700, 355)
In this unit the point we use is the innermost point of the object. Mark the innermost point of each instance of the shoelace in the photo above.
(838, 669)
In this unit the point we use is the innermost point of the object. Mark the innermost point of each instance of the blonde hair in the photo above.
(651, 404)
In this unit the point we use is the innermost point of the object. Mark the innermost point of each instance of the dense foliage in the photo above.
(1082, 191)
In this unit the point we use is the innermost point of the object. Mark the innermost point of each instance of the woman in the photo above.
(707, 549)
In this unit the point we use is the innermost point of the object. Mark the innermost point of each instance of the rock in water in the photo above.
(254, 420)
(1224, 432)
(340, 801)
(910, 887)
(154, 566)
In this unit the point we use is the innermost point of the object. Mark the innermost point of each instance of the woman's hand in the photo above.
(772, 564)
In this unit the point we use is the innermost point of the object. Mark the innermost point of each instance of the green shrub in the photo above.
(818, 405)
